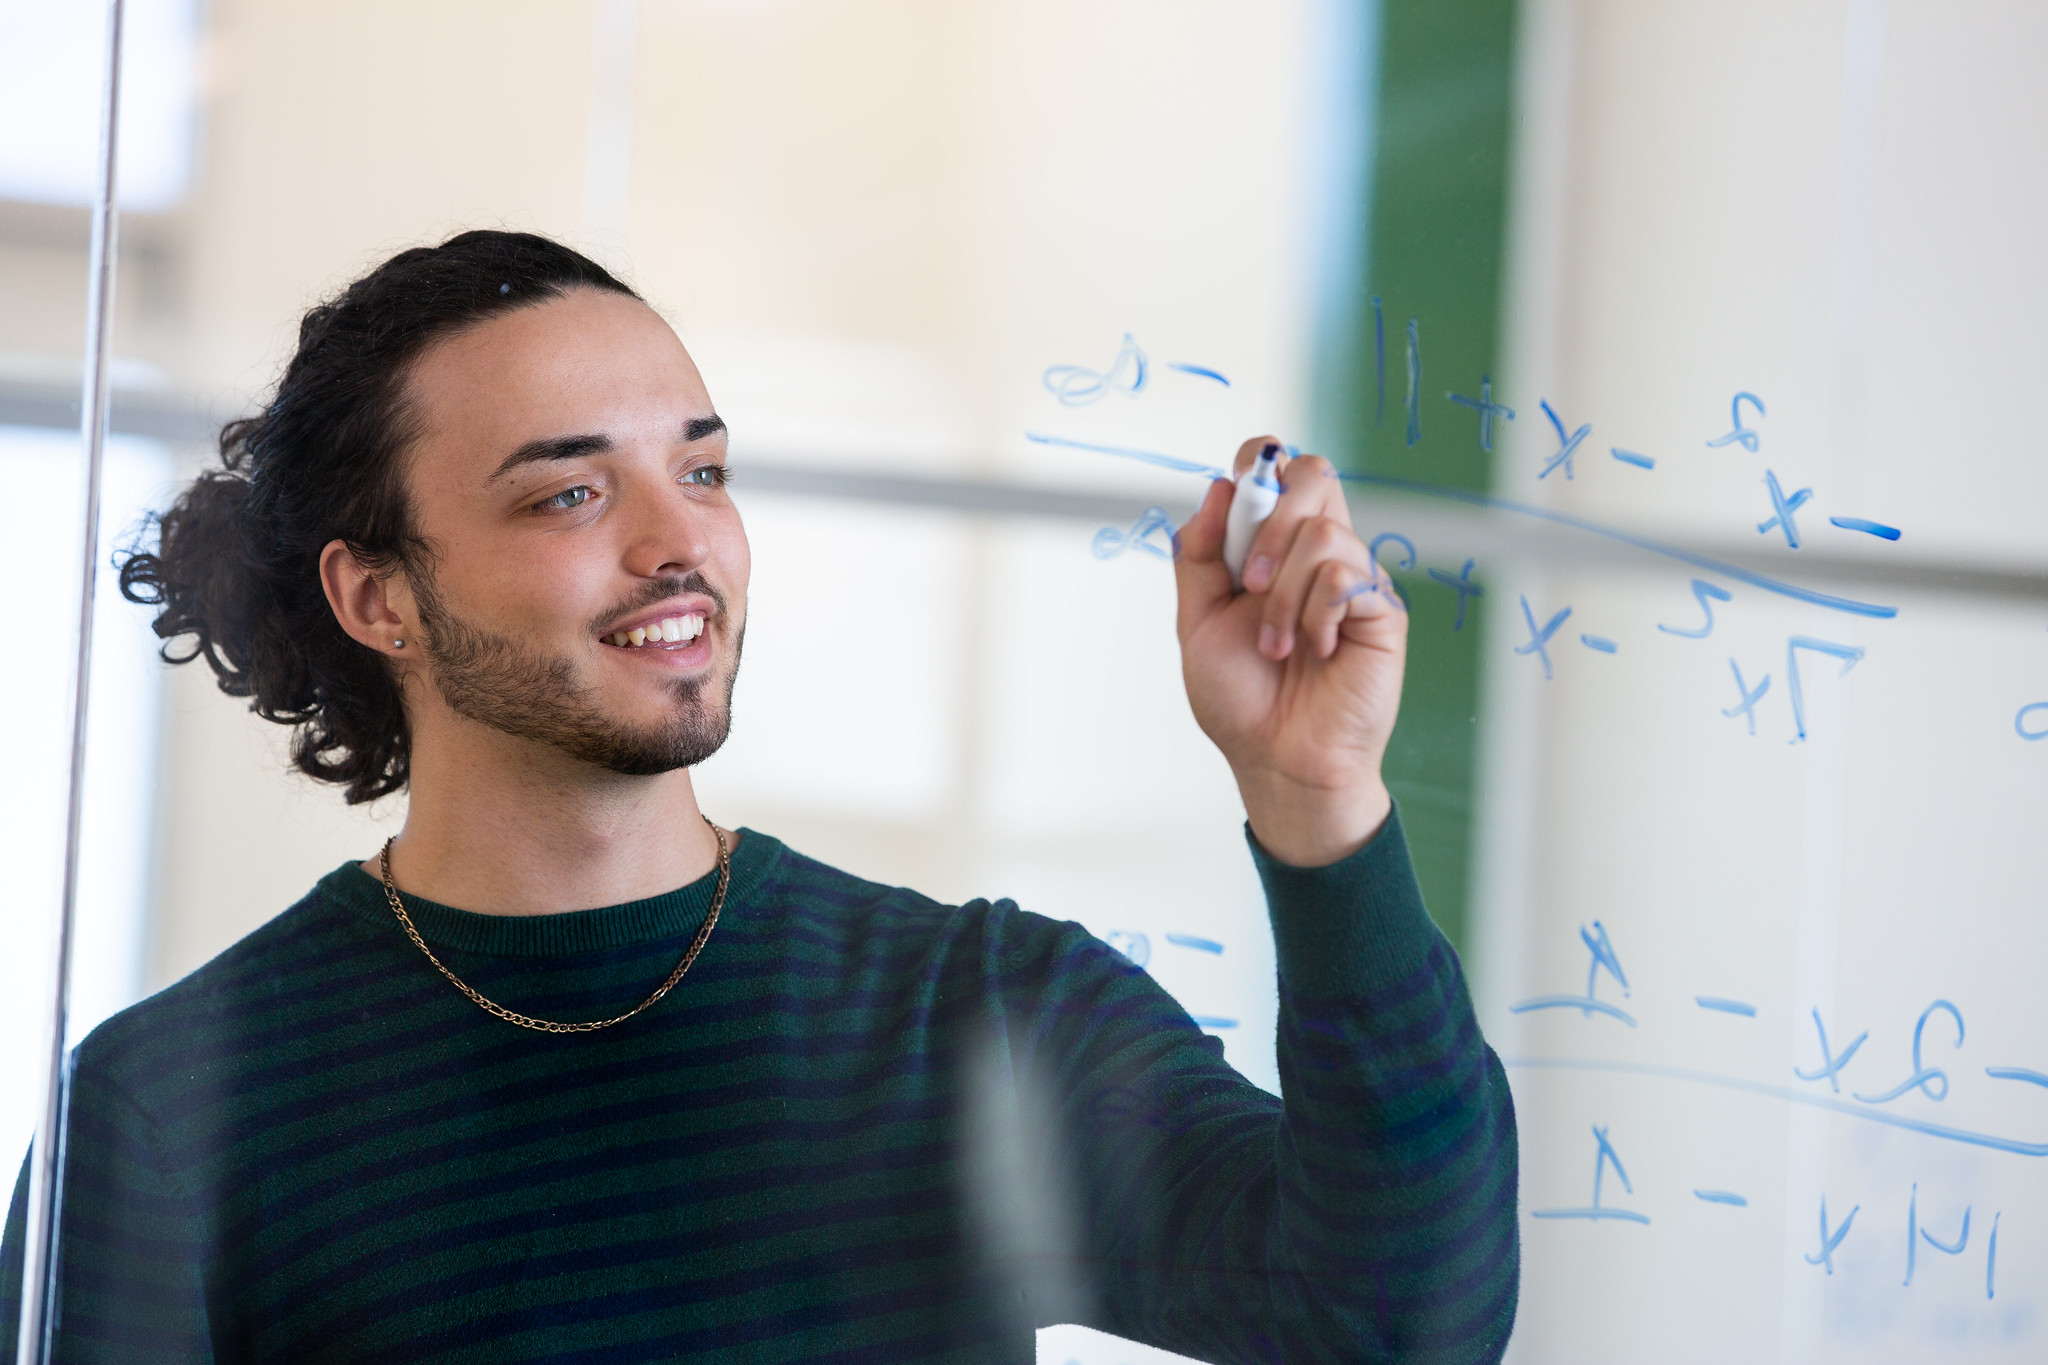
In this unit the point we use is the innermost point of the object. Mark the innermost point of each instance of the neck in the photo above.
(507, 827)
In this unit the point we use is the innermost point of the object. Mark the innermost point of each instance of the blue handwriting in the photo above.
(1868, 1114)
(1830, 1064)
(1782, 509)
(1599, 642)
(1702, 590)
(1915, 1234)
(1740, 433)
(1924, 1078)
(1200, 945)
(1132, 944)
(1077, 385)
(1461, 582)
(1848, 654)
(1630, 457)
(1597, 1211)
(1110, 541)
(1471, 498)
(1199, 371)
(1746, 708)
(2019, 722)
(1604, 959)
(1830, 1240)
(1715, 1002)
(1539, 640)
(1567, 446)
(1414, 380)
(1721, 1197)
(1869, 528)
(1486, 408)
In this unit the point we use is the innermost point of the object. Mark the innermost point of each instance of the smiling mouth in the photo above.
(669, 630)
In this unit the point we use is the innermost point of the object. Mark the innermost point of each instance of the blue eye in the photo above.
(706, 475)
(568, 498)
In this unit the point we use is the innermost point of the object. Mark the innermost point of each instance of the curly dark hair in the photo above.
(235, 563)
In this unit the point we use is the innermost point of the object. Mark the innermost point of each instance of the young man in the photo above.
(569, 1073)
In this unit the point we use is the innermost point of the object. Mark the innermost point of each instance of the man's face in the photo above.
(588, 580)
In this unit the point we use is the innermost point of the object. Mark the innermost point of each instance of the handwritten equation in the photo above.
(1824, 1081)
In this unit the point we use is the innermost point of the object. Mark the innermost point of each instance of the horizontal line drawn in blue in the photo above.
(1572, 1002)
(1872, 528)
(1779, 1092)
(1630, 457)
(2016, 1073)
(1200, 945)
(1715, 1002)
(1592, 1213)
(1721, 1197)
(1200, 371)
(1213, 1021)
(1599, 642)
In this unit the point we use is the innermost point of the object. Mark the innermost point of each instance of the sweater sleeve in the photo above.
(1368, 1214)
(129, 1285)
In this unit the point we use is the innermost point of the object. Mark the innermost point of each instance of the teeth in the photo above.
(669, 630)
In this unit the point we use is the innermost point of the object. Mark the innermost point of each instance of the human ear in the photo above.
(376, 611)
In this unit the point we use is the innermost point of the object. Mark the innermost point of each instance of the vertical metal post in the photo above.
(38, 1277)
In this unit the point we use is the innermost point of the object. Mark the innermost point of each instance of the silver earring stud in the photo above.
(398, 644)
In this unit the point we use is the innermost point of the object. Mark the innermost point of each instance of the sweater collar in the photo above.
(665, 916)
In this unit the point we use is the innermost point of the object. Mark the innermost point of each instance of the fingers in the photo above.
(1309, 490)
(1310, 596)
(1201, 580)
(1339, 593)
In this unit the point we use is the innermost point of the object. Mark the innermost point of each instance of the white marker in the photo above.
(1258, 493)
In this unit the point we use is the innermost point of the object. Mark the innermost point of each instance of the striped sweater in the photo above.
(866, 1127)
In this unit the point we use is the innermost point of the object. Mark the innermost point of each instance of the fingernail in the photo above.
(1258, 573)
(1269, 640)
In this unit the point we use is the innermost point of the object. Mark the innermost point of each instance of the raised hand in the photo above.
(1298, 678)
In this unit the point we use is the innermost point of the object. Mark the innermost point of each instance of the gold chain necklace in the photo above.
(549, 1025)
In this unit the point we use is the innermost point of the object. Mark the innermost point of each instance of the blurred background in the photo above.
(880, 226)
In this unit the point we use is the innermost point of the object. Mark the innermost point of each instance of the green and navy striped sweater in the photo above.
(312, 1149)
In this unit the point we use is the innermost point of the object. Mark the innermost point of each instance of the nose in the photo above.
(666, 531)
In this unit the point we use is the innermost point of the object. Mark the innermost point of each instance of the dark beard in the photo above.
(498, 682)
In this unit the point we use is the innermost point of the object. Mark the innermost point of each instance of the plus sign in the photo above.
(1487, 410)
(1460, 582)
(1782, 509)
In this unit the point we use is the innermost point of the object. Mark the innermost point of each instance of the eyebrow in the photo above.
(576, 447)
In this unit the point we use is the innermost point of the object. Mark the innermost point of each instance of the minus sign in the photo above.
(1715, 1002)
(1630, 457)
(1212, 1021)
(1721, 1197)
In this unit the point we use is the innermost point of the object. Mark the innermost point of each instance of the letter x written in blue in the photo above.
(1782, 509)
(1830, 1240)
(1830, 1067)
(1460, 582)
(1746, 708)
(1538, 639)
(1567, 446)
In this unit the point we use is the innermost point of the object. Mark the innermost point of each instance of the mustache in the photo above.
(656, 591)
